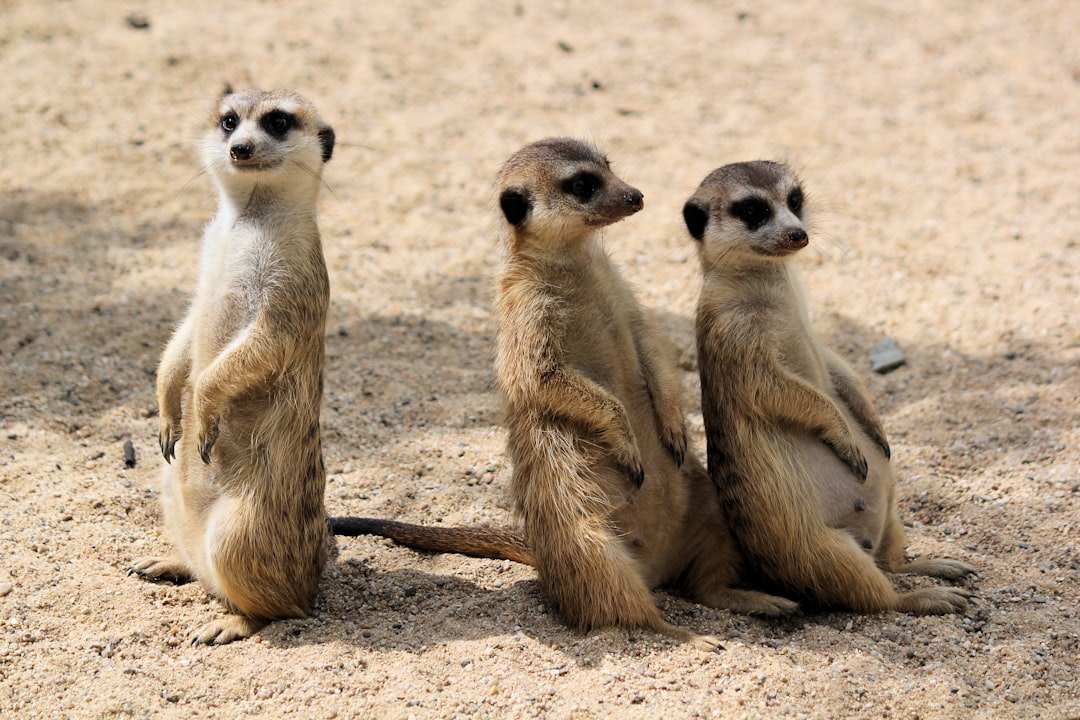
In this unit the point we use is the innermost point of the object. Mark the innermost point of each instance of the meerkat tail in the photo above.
(482, 542)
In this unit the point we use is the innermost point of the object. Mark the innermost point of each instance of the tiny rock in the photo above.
(886, 357)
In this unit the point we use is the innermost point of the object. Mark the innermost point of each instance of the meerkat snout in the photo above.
(796, 238)
(240, 152)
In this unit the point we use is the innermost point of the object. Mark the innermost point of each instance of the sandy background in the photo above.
(941, 142)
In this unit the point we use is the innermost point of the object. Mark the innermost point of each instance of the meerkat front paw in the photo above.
(168, 436)
(628, 458)
(635, 472)
(850, 454)
(672, 425)
(883, 443)
(674, 439)
(940, 567)
(619, 437)
(206, 434)
(708, 643)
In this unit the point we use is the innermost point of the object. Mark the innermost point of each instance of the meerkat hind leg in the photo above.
(747, 602)
(227, 630)
(942, 567)
(708, 643)
(892, 559)
(933, 601)
(170, 569)
(852, 580)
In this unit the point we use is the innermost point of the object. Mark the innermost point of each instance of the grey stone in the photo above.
(886, 357)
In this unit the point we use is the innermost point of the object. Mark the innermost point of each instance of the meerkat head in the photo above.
(747, 211)
(259, 137)
(559, 190)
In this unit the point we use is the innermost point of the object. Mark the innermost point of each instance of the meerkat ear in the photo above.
(696, 214)
(326, 139)
(515, 206)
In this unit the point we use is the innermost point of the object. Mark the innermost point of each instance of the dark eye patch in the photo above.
(795, 201)
(582, 186)
(278, 123)
(228, 122)
(754, 212)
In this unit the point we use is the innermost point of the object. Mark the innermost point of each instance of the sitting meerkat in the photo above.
(240, 382)
(612, 503)
(794, 445)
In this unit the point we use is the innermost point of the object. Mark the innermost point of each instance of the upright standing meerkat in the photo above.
(592, 406)
(240, 382)
(794, 445)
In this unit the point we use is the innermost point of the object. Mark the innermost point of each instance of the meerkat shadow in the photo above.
(412, 610)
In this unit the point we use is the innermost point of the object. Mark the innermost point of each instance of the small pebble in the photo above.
(5, 589)
(138, 21)
(886, 357)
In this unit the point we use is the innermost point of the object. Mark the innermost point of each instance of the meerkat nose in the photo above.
(635, 200)
(240, 151)
(796, 237)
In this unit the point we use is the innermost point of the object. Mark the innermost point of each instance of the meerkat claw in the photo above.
(206, 444)
(636, 475)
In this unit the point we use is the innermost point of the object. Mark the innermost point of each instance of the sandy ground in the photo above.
(941, 143)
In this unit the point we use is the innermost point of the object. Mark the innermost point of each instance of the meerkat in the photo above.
(240, 383)
(612, 502)
(794, 443)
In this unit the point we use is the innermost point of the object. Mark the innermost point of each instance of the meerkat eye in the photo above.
(754, 212)
(795, 201)
(582, 186)
(277, 123)
(229, 121)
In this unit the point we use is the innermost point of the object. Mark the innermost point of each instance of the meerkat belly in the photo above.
(186, 499)
(860, 508)
(650, 519)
